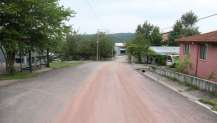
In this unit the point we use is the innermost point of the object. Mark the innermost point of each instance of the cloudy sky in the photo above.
(115, 16)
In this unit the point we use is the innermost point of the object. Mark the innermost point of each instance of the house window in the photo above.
(203, 51)
(186, 49)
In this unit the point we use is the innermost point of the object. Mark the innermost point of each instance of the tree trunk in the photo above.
(48, 58)
(139, 58)
(30, 60)
(10, 60)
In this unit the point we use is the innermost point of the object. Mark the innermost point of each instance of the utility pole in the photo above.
(112, 52)
(97, 46)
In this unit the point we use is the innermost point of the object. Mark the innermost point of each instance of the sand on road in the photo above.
(116, 93)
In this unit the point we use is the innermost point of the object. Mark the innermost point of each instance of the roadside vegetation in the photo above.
(183, 27)
(181, 66)
(39, 26)
(212, 101)
(84, 47)
(18, 75)
(64, 64)
(146, 35)
(26, 75)
(31, 25)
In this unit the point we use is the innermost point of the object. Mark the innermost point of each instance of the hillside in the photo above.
(117, 37)
(121, 37)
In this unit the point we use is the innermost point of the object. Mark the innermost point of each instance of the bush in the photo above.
(182, 66)
(161, 60)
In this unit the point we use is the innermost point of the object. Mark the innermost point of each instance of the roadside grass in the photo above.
(210, 101)
(64, 64)
(17, 76)
(26, 75)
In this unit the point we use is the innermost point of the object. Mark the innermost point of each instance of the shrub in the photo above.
(161, 60)
(182, 66)
(211, 76)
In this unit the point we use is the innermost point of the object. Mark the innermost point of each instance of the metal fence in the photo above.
(199, 83)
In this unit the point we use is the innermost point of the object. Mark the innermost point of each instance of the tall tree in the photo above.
(84, 47)
(151, 33)
(106, 46)
(156, 37)
(175, 34)
(30, 24)
(189, 19)
(146, 35)
(184, 27)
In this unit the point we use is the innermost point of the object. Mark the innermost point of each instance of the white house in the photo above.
(120, 49)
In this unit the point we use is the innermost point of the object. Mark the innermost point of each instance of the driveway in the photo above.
(99, 92)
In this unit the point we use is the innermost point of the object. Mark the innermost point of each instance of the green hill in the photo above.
(121, 37)
(117, 37)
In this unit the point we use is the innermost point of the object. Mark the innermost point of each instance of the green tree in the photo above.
(146, 35)
(84, 47)
(189, 19)
(151, 33)
(71, 46)
(184, 27)
(175, 34)
(156, 37)
(138, 47)
(106, 46)
(30, 24)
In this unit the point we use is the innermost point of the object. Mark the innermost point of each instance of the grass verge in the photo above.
(64, 64)
(210, 101)
(17, 76)
(26, 75)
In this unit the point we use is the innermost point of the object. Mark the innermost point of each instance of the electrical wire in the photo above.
(98, 19)
(202, 18)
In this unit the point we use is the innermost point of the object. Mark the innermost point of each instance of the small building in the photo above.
(165, 50)
(201, 50)
(120, 49)
(22, 62)
(2, 62)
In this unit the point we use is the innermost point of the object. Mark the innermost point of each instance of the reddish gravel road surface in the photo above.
(97, 92)
(116, 93)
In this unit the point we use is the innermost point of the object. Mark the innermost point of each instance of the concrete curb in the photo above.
(194, 100)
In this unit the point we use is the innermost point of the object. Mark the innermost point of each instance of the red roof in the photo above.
(206, 37)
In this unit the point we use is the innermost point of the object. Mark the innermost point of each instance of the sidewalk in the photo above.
(192, 94)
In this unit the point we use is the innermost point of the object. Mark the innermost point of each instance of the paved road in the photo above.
(41, 99)
(105, 92)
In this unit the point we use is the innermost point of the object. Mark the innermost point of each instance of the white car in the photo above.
(171, 59)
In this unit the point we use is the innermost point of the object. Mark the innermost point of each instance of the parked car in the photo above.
(171, 60)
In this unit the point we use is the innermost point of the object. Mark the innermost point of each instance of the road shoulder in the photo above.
(190, 93)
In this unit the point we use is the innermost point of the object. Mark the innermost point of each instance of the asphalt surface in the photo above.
(103, 92)
(41, 99)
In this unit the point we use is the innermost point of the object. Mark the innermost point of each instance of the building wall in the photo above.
(118, 50)
(2, 59)
(208, 66)
(199, 67)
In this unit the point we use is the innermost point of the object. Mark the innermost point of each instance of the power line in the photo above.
(94, 13)
(207, 17)
(202, 18)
